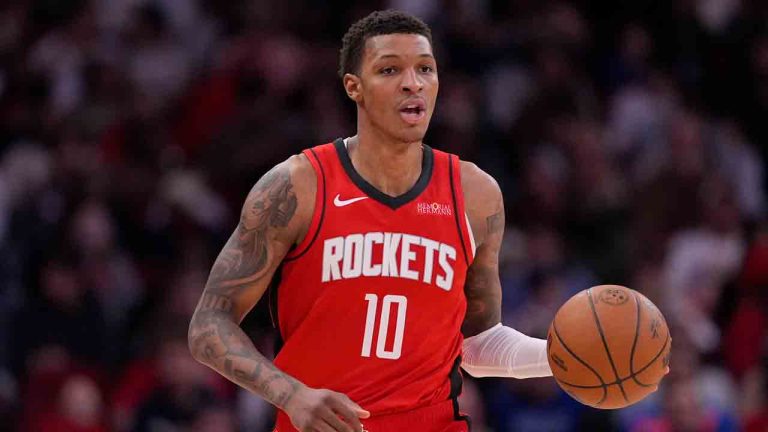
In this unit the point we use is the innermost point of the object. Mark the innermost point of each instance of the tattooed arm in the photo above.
(485, 209)
(275, 216)
(268, 225)
(491, 349)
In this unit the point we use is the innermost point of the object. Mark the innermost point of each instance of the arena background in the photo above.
(628, 138)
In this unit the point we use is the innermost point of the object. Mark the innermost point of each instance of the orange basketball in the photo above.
(608, 346)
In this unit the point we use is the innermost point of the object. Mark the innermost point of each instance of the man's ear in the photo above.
(352, 85)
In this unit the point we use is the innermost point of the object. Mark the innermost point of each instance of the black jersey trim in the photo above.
(394, 203)
(322, 213)
(272, 292)
(457, 382)
(456, 208)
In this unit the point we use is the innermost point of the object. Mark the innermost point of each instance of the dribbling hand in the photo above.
(324, 410)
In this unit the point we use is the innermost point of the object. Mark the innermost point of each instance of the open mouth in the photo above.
(413, 112)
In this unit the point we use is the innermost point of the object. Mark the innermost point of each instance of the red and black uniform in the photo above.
(371, 303)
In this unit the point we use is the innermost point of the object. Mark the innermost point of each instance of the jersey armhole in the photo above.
(317, 214)
(462, 219)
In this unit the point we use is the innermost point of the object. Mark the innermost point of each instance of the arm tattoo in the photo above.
(495, 222)
(482, 287)
(246, 253)
(217, 302)
(215, 338)
(483, 302)
(221, 344)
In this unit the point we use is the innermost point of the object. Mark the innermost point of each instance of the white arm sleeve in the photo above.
(502, 351)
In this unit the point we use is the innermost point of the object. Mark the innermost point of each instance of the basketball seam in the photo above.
(634, 344)
(605, 344)
(626, 378)
(650, 363)
(602, 385)
(632, 372)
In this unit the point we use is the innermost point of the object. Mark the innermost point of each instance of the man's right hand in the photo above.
(324, 411)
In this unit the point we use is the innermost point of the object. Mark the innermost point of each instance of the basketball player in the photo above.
(384, 253)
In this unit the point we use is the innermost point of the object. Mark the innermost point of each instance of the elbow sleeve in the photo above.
(502, 351)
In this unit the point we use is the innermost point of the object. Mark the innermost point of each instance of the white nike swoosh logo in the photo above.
(338, 202)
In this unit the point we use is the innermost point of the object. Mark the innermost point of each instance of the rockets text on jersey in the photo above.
(351, 256)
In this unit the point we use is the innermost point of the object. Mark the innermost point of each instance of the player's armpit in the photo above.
(485, 209)
(272, 217)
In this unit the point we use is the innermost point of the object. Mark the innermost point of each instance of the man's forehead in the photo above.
(396, 45)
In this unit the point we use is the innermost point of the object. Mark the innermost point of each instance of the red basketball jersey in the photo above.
(371, 303)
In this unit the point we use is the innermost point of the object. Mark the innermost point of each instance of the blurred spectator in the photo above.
(59, 389)
(540, 406)
(61, 55)
(162, 384)
(669, 184)
(253, 412)
(64, 319)
(9, 397)
(700, 261)
(700, 397)
(598, 205)
(745, 334)
(106, 270)
(157, 66)
(214, 419)
(684, 412)
(755, 402)
(80, 409)
(737, 161)
(540, 282)
(183, 391)
(631, 64)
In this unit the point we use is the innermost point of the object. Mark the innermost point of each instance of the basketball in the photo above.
(608, 346)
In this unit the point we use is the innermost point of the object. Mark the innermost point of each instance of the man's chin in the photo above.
(412, 134)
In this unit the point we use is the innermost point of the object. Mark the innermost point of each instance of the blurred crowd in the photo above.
(628, 138)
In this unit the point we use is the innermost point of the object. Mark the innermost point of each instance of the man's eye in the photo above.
(388, 70)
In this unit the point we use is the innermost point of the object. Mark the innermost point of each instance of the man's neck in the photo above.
(392, 167)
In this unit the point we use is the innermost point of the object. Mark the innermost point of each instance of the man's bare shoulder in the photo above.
(300, 166)
(482, 198)
(481, 184)
(304, 182)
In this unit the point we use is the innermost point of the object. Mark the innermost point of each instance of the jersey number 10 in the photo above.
(370, 321)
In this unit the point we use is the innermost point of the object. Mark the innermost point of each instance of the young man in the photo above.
(385, 257)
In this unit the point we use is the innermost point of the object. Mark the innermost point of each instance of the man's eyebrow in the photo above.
(385, 56)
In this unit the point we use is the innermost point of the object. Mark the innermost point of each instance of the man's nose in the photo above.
(412, 82)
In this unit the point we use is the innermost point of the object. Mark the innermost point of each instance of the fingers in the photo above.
(359, 411)
(338, 424)
(348, 410)
(330, 411)
(321, 426)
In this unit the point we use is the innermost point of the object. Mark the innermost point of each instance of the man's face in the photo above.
(398, 85)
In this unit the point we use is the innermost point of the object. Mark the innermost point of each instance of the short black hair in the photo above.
(375, 24)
